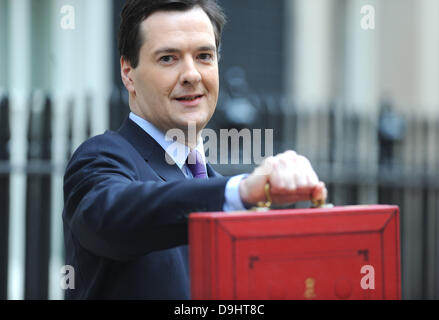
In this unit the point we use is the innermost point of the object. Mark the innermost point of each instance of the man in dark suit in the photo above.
(126, 204)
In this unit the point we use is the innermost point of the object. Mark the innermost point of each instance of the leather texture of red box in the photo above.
(350, 252)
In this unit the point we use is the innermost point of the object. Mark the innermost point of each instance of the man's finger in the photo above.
(319, 193)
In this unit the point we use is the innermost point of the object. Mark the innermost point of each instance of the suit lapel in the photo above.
(211, 173)
(150, 150)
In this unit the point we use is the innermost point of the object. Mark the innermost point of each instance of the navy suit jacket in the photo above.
(126, 217)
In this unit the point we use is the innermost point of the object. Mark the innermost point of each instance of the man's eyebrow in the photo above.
(174, 50)
(207, 48)
(165, 50)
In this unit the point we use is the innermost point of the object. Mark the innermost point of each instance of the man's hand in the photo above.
(291, 177)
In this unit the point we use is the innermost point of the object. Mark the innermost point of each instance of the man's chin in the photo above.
(192, 123)
(187, 130)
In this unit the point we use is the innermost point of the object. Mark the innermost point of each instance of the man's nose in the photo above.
(190, 73)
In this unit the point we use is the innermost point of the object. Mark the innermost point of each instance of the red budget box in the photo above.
(350, 252)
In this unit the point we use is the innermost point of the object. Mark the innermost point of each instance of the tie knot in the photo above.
(196, 165)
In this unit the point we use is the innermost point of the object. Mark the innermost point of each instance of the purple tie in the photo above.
(196, 165)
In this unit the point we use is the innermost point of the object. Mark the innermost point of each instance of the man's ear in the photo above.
(126, 72)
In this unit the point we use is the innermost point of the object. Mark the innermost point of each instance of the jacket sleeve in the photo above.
(115, 215)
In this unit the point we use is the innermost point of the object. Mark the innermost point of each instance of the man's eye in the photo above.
(167, 59)
(206, 57)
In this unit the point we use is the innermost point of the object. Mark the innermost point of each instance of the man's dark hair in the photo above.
(136, 11)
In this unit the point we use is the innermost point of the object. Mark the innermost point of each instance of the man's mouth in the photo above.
(189, 98)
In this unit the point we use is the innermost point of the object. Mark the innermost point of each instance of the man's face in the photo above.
(176, 80)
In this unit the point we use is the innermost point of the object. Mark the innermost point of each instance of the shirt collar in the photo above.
(178, 152)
